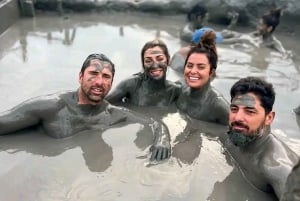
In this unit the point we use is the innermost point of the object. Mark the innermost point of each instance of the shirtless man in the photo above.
(65, 114)
(264, 160)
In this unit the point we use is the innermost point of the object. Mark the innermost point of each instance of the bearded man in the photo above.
(67, 113)
(265, 161)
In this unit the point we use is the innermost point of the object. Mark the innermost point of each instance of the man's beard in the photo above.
(241, 139)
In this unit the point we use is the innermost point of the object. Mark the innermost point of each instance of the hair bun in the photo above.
(208, 41)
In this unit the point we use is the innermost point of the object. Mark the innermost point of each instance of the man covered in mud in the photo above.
(65, 114)
(262, 157)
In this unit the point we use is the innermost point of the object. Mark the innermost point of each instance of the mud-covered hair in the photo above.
(262, 89)
(206, 45)
(197, 10)
(152, 44)
(100, 57)
(272, 18)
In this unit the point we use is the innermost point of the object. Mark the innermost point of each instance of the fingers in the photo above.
(154, 154)
(160, 153)
(165, 153)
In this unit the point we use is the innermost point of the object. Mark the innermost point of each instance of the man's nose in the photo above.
(239, 116)
(99, 80)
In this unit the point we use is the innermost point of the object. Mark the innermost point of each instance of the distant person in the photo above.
(198, 98)
(196, 18)
(65, 114)
(263, 36)
(149, 87)
(264, 160)
(178, 59)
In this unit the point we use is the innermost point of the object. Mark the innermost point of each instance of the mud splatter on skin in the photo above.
(99, 66)
(154, 66)
(246, 100)
(157, 52)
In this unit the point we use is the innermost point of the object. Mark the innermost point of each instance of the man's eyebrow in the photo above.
(250, 108)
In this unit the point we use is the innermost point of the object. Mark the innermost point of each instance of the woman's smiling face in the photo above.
(197, 70)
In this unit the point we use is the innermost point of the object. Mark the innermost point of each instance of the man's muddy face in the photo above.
(247, 119)
(155, 63)
(197, 71)
(95, 82)
(200, 20)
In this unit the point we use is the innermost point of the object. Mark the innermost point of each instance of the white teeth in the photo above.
(193, 78)
(97, 89)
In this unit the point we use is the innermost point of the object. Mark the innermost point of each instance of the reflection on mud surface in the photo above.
(44, 55)
(50, 169)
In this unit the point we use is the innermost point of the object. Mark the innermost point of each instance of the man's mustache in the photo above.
(239, 124)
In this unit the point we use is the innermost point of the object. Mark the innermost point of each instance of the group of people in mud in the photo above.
(266, 161)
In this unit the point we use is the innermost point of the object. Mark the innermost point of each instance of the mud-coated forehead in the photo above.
(247, 100)
(104, 60)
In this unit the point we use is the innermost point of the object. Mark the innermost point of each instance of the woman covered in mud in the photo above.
(150, 87)
(263, 36)
(198, 98)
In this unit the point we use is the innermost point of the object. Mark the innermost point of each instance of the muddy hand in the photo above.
(161, 148)
(160, 151)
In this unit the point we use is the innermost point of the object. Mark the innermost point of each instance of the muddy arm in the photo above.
(28, 113)
(161, 148)
(117, 95)
(278, 165)
(210, 129)
(277, 45)
(19, 117)
(121, 91)
(292, 187)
